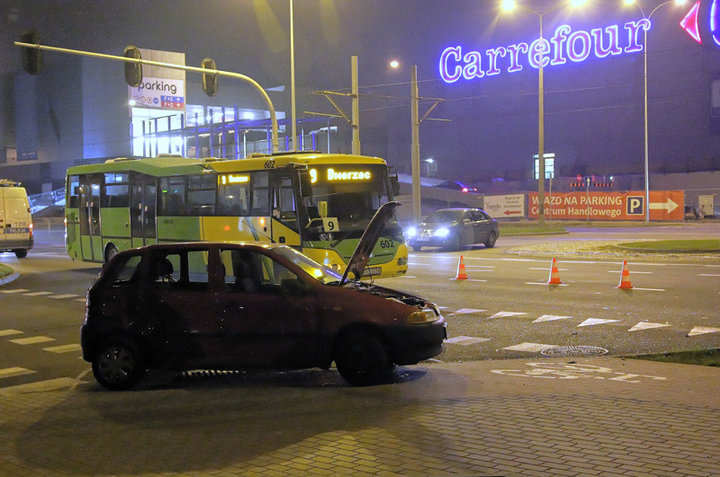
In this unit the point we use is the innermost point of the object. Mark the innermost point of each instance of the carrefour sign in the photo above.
(565, 45)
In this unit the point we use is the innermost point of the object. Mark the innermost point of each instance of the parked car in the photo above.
(210, 305)
(456, 185)
(454, 229)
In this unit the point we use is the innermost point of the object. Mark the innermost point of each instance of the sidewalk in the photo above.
(580, 416)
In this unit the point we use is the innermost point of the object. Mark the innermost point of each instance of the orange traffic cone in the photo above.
(625, 277)
(554, 275)
(461, 275)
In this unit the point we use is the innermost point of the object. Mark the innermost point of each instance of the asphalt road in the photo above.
(504, 310)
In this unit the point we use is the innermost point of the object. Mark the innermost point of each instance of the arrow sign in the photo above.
(670, 205)
(512, 212)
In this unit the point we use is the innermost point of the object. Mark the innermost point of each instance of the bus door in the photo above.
(143, 207)
(89, 217)
(284, 210)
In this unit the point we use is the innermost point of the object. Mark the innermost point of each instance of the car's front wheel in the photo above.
(362, 360)
(118, 364)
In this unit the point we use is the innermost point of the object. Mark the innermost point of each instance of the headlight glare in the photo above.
(442, 232)
(411, 231)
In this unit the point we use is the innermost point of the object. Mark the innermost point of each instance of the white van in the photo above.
(16, 227)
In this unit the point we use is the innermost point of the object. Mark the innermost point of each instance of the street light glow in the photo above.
(508, 5)
(394, 64)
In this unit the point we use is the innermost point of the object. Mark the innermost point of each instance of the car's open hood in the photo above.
(369, 238)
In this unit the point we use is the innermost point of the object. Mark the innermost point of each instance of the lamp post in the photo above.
(509, 5)
(645, 97)
(292, 77)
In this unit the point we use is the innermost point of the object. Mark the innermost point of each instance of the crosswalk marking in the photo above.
(551, 318)
(596, 321)
(646, 325)
(15, 290)
(16, 371)
(464, 311)
(701, 330)
(466, 340)
(506, 314)
(64, 348)
(32, 340)
(39, 293)
(530, 347)
(10, 332)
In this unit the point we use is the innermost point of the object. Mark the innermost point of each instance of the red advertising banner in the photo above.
(664, 205)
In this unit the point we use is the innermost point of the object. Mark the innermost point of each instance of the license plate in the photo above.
(370, 271)
(16, 230)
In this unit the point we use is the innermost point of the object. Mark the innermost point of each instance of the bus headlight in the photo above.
(426, 315)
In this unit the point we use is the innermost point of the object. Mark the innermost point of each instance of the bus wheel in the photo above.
(110, 252)
(20, 252)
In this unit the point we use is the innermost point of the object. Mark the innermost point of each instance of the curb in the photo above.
(10, 278)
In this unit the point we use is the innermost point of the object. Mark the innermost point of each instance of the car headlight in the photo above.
(442, 232)
(411, 231)
(426, 315)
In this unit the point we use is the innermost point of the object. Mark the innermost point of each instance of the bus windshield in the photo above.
(349, 194)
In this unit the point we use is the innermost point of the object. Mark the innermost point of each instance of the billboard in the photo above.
(589, 205)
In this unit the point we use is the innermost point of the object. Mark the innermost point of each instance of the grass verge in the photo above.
(5, 270)
(673, 246)
(523, 228)
(705, 357)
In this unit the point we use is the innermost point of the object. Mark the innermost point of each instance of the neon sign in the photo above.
(564, 45)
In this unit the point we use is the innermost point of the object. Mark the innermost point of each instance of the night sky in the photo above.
(593, 109)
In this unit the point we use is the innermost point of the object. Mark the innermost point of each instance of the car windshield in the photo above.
(443, 217)
(311, 267)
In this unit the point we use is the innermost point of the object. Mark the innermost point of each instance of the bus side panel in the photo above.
(236, 229)
(178, 229)
(115, 223)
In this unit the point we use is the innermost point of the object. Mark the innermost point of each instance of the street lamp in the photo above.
(509, 5)
(645, 96)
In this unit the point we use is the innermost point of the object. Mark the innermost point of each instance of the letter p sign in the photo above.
(635, 205)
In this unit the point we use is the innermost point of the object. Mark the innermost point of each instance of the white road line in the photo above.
(634, 272)
(464, 311)
(64, 348)
(506, 314)
(547, 269)
(646, 325)
(551, 318)
(530, 347)
(39, 293)
(596, 321)
(32, 340)
(648, 289)
(701, 330)
(709, 275)
(16, 290)
(62, 297)
(12, 372)
(10, 332)
(466, 340)
(468, 280)
(546, 284)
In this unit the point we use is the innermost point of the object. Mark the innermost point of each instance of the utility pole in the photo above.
(415, 146)
(355, 106)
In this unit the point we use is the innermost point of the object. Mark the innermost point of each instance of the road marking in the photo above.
(466, 340)
(547, 269)
(82, 300)
(546, 284)
(468, 280)
(10, 332)
(709, 275)
(64, 348)
(701, 330)
(596, 321)
(648, 289)
(646, 325)
(634, 272)
(40, 293)
(62, 297)
(32, 340)
(15, 290)
(12, 372)
(41, 386)
(574, 371)
(407, 276)
(506, 314)
(464, 311)
(551, 318)
(530, 347)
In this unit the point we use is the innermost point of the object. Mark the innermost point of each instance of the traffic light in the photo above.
(32, 59)
(209, 80)
(133, 71)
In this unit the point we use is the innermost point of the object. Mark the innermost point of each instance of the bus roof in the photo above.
(165, 165)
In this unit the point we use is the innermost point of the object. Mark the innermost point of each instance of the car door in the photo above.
(182, 305)
(268, 314)
(483, 226)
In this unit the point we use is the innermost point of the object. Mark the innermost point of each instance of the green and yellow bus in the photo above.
(317, 203)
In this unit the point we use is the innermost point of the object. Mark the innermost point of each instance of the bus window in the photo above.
(172, 198)
(284, 203)
(233, 199)
(115, 191)
(201, 194)
(260, 193)
(73, 187)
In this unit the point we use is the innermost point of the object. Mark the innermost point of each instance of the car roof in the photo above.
(456, 209)
(176, 246)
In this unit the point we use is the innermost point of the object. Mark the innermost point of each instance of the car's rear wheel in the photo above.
(492, 238)
(20, 252)
(362, 360)
(416, 247)
(118, 364)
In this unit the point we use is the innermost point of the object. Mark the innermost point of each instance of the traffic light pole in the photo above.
(195, 69)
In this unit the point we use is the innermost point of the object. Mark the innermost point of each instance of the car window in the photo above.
(128, 271)
(252, 272)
